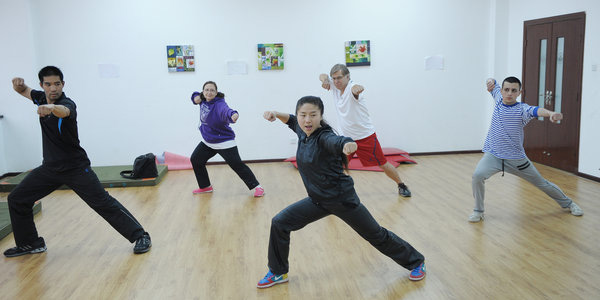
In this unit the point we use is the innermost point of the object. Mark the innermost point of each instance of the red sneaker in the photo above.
(208, 189)
(259, 192)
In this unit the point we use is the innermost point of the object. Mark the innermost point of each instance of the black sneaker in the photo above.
(143, 244)
(403, 190)
(38, 246)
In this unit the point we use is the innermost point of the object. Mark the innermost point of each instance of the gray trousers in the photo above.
(524, 168)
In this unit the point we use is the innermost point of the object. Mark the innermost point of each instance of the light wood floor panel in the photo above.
(214, 246)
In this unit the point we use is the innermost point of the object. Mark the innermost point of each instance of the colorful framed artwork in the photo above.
(270, 56)
(358, 53)
(181, 58)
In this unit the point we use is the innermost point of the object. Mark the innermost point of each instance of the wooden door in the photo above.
(552, 75)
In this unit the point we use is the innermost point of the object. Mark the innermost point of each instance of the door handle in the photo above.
(548, 98)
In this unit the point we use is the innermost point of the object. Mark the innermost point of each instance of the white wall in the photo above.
(520, 11)
(20, 137)
(147, 109)
(3, 167)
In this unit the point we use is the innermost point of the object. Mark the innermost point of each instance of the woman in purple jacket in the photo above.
(215, 117)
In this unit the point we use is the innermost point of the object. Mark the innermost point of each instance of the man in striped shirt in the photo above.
(503, 148)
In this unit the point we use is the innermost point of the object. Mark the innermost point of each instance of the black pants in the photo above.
(203, 153)
(43, 181)
(303, 212)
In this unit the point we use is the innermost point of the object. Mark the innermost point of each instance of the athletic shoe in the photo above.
(271, 280)
(417, 273)
(403, 190)
(143, 244)
(575, 209)
(259, 191)
(476, 216)
(208, 189)
(38, 246)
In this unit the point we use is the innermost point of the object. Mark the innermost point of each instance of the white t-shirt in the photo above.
(220, 146)
(353, 115)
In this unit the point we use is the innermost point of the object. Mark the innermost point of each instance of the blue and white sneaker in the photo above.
(271, 280)
(418, 273)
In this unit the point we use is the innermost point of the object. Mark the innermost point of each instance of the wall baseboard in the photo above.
(590, 177)
(446, 152)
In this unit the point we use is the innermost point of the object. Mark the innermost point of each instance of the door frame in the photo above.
(554, 19)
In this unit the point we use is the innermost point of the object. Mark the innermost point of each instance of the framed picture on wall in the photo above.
(358, 53)
(270, 56)
(181, 58)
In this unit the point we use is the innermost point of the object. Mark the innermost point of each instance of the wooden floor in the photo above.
(214, 246)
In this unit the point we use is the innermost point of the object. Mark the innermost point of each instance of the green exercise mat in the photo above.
(5, 227)
(109, 177)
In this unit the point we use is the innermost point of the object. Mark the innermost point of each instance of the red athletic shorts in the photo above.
(369, 152)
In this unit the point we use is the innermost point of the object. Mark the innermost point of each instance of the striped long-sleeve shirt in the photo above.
(505, 136)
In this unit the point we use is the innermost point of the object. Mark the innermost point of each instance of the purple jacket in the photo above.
(215, 117)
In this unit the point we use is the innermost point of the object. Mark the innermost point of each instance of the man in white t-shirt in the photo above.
(355, 122)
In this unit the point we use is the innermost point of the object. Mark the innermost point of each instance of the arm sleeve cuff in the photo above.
(194, 94)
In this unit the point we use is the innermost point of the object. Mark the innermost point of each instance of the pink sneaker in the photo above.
(259, 192)
(204, 190)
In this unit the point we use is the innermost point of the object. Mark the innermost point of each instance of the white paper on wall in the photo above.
(237, 68)
(435, 62)
(108, 71)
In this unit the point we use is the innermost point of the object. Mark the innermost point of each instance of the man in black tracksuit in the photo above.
(65, 162)
(320, 157)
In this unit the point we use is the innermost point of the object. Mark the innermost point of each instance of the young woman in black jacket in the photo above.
(321, 158)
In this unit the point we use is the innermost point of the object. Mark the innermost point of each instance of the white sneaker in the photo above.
(575, 209)
(476, 216)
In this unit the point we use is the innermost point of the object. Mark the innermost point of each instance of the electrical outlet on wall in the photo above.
(292, 141)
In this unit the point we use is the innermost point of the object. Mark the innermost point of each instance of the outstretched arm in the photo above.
(20, 87)
(553, 116)
(271, 115)
(335, 144)
(350, 148)
(325, 83)
(494, 89)
(490, 83)
(356, 90)
(60, 111)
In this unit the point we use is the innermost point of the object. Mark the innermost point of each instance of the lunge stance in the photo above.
(65, 162)
(321, 157)
(503, 148)
(355, 122)
(219, 138)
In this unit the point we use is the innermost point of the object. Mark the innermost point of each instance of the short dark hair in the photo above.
(219, 94)
(512, 79)
(50, 71)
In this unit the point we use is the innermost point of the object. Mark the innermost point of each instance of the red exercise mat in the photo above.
(177, 162)
(394, 156)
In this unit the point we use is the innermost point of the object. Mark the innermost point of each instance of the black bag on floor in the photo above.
(144, 166)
